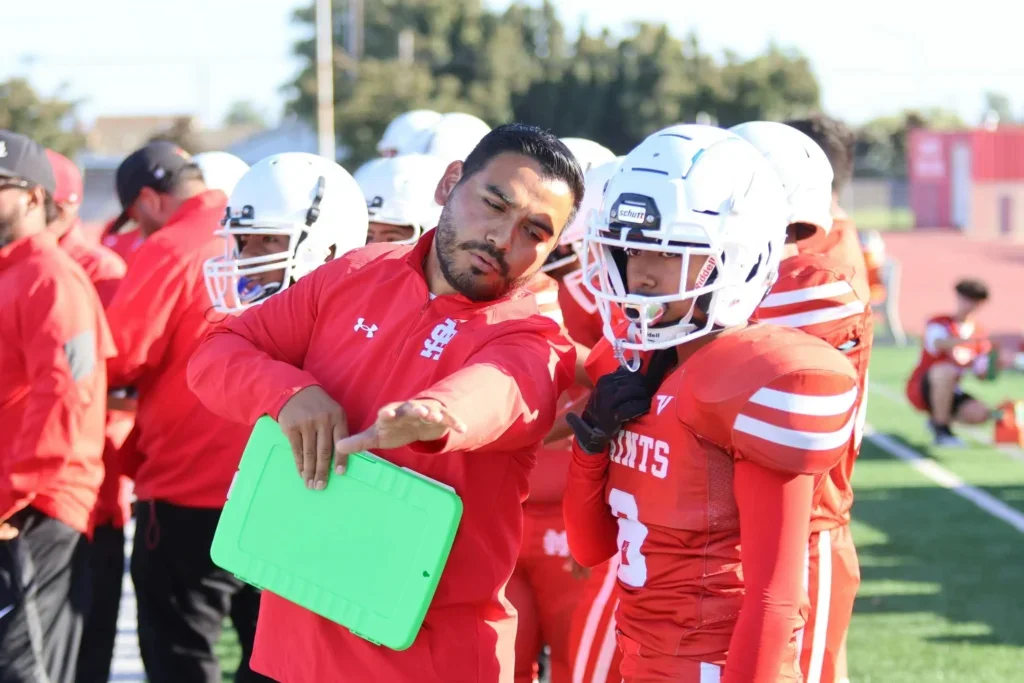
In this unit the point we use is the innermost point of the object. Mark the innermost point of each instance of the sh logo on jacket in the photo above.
(439, 338)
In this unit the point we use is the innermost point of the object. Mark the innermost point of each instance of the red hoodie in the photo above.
(158, 316)
(53, 383)
(365, 329)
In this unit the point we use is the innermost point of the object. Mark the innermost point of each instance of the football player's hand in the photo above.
(616, 399)
(397, 425)
(7, 532)
(313, 422)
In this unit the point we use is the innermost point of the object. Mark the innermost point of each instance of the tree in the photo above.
(518, 65)
(50, 121)
(999, 104)
(181, 133)
(243, 113)
(881, 147)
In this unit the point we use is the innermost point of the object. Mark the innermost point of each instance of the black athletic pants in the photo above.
(44, 596)
(183, 597)
(106, 564)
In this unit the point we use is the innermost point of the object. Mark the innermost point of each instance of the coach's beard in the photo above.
(467, 283)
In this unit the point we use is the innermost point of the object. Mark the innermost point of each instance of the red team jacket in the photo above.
(664, 498)
(975, 343)
(53, 383)
(366, 329)
(815, 294)
(105, 270)
(158, 316)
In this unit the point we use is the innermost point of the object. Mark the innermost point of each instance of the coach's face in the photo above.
(498, 225)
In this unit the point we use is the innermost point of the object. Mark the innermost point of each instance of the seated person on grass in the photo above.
(952, 344)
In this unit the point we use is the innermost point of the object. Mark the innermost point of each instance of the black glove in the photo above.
(618, 398)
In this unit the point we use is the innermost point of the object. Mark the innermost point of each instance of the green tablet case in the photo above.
(366, 552)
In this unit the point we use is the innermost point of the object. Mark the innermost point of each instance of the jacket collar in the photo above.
(18, 251)
(450, 303)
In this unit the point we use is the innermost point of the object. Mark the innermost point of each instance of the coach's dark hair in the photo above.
(836, 139)
(555, 159)
(974, 290)
(50, 209)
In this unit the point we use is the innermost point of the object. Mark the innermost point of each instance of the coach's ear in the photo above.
(452, 176)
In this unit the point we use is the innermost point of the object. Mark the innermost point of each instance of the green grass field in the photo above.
(882, 218)
(941, 579)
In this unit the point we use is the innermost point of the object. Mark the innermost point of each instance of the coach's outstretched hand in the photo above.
(313, 422)
(397, 425)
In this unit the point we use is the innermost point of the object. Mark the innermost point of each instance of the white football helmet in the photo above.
(595, 180)
(308, 198)
(588, 152)
(400, 191)
(400, 135)
(689, 190)
(453, 137)
(802, 167)
(221, 170)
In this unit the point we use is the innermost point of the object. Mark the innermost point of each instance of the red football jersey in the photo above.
(582, 320)
(974, 343)
(773, 396)
(815, 294)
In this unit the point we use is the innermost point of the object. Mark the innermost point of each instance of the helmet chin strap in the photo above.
(643, 327)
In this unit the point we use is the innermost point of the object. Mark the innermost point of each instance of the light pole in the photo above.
(325, 80)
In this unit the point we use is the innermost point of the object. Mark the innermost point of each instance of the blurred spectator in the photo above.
(106, 550)
(53, 386)
(188, 455)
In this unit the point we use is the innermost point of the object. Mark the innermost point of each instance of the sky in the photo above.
(872, 57)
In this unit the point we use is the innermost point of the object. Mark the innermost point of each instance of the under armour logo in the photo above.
(368, 329)
(663, 402)
(439, 338)
(625, 553)
(3, 148)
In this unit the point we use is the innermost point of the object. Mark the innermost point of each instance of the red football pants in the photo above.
(595, 655)
(833, 576)
(544, 592)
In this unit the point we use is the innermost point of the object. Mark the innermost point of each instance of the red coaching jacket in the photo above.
(105, 269)
(53, 383)
(365, 328)
(158, 316)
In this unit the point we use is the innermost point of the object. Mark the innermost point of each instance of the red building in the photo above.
(969, 180)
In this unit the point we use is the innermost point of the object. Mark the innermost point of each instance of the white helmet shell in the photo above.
(453, 137)
(802, 166)
(588, 153)
(400, 191)
(221, 170)
(400, 135)
(309, 199)
(595, 181)
(689, 190)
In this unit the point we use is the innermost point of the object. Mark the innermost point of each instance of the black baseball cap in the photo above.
(155, 166)
(24, 158)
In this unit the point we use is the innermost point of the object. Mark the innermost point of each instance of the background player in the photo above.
(815, 294)
(288, 215)
(689, 475)
(399, 194)
(841, 244)
(952, 345)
